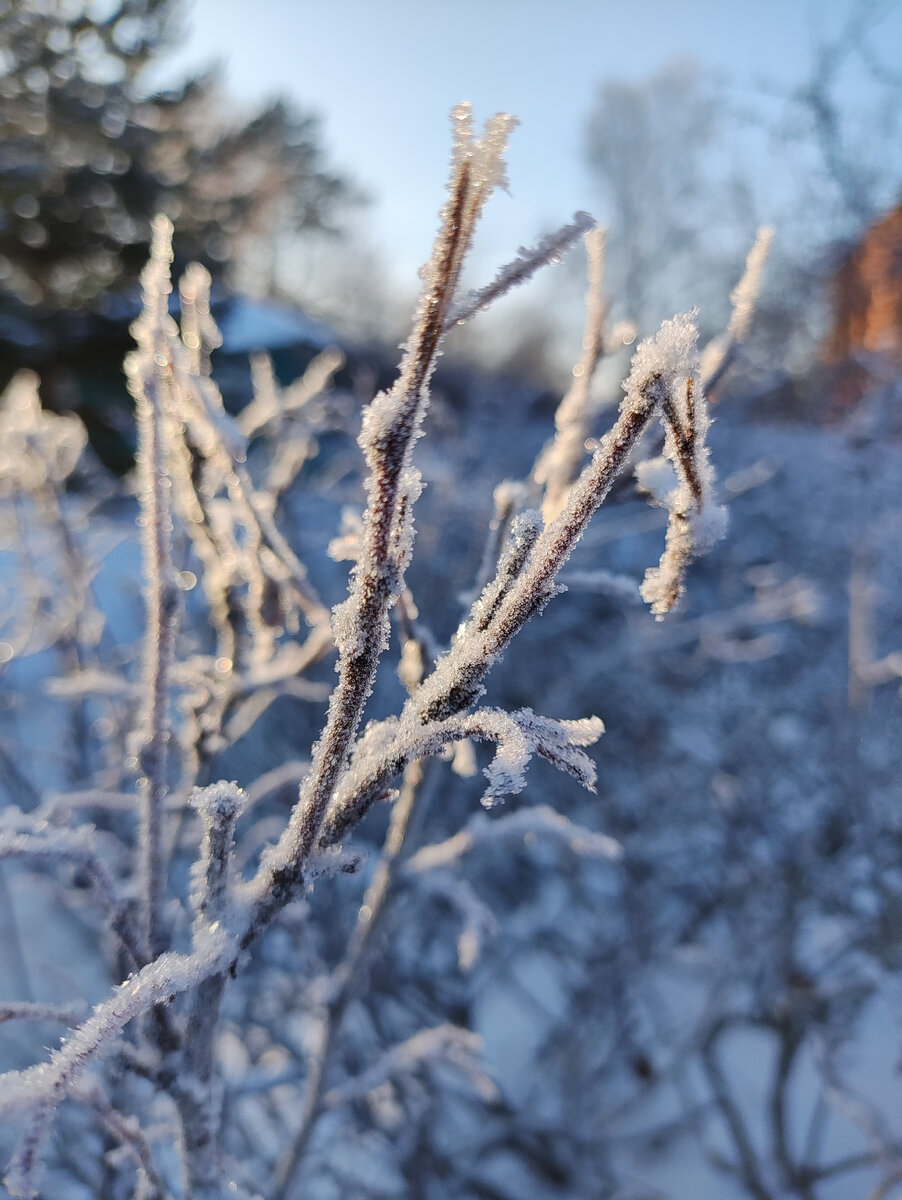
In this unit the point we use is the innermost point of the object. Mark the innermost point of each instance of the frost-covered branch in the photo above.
(443, 1043)
(682, 481)
(222, 445)
(541, 819)
(660, 367)
(194, 476)
(77, 848)
(391, 426)
(219, 805)
(37, 1091)
(663, 369)
(349, 978)
(509, 496)
(721, 353)
(271, 403)
(150, 372)
(387, 747)
(525, 530)
(200, 333)
(559, 463)
(31, 1011)
(127, 1131)
(550, 249)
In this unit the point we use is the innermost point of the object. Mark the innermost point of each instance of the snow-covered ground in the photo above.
(713, 1013)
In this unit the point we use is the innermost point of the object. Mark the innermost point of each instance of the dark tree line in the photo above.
(88, 154)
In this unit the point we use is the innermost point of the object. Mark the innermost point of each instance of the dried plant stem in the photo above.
(263, 527)
(390, 429)
(272, 403)
(748, 1167)
(46, 1085)
(195, 1088)
(350, 976)
(469, 661)
(457, 681)
(150, 375)
(162, 605)
(744, 298)
(74, 848)
(259, 586)
(559, 463)
(27, 1011)
(507, 498)
(128, 1133)
(550, 249)
(195, 1092)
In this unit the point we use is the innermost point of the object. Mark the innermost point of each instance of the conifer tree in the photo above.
(90, 152)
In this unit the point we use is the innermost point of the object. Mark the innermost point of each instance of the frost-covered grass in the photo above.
(246, 1043)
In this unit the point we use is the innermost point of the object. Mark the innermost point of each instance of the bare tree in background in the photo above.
(657, 149)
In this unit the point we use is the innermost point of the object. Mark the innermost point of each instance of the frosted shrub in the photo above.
(153, 1063)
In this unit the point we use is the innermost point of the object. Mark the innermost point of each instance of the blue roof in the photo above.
(249, 325)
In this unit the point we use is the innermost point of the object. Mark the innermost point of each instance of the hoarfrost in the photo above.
(529, 259)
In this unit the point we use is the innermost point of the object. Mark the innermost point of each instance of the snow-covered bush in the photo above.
(251, 1033)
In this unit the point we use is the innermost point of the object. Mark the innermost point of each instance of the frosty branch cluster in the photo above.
(268, 625)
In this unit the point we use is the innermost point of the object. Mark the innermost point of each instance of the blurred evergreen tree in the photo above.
(89, 152)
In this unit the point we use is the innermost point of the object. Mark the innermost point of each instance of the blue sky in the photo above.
(383, 74)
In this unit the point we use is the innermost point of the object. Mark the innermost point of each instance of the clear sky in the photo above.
(383, 74)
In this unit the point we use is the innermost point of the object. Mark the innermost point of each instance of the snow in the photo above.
(672, 354)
